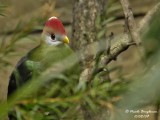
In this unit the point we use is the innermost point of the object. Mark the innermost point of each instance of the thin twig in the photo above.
(157, 114)
(108, 43)
(144, 23)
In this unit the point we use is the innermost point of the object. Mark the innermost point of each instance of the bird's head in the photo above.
(54, 32)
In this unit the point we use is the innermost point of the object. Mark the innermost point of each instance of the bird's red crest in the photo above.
(55, 24)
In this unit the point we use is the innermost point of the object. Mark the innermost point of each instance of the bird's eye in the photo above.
(52, 36)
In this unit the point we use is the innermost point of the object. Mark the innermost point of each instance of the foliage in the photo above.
(8, 46)
(2, 10)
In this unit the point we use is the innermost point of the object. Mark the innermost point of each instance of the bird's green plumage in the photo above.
(45, 56)
(40, 59)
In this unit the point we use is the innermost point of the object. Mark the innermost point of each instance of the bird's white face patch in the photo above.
(51, 41)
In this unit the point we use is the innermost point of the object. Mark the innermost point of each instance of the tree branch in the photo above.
(117, 48)
(132, 27)
(124, 42)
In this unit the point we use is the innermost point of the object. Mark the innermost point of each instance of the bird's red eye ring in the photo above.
(52, 36)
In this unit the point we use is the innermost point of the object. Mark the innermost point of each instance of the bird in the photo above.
(53, 47)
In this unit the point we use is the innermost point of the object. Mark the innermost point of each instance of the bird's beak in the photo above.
(66, 40)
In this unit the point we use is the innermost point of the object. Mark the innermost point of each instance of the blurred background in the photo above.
(21, 24)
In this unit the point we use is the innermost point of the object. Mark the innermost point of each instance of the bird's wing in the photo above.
(19, 76)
